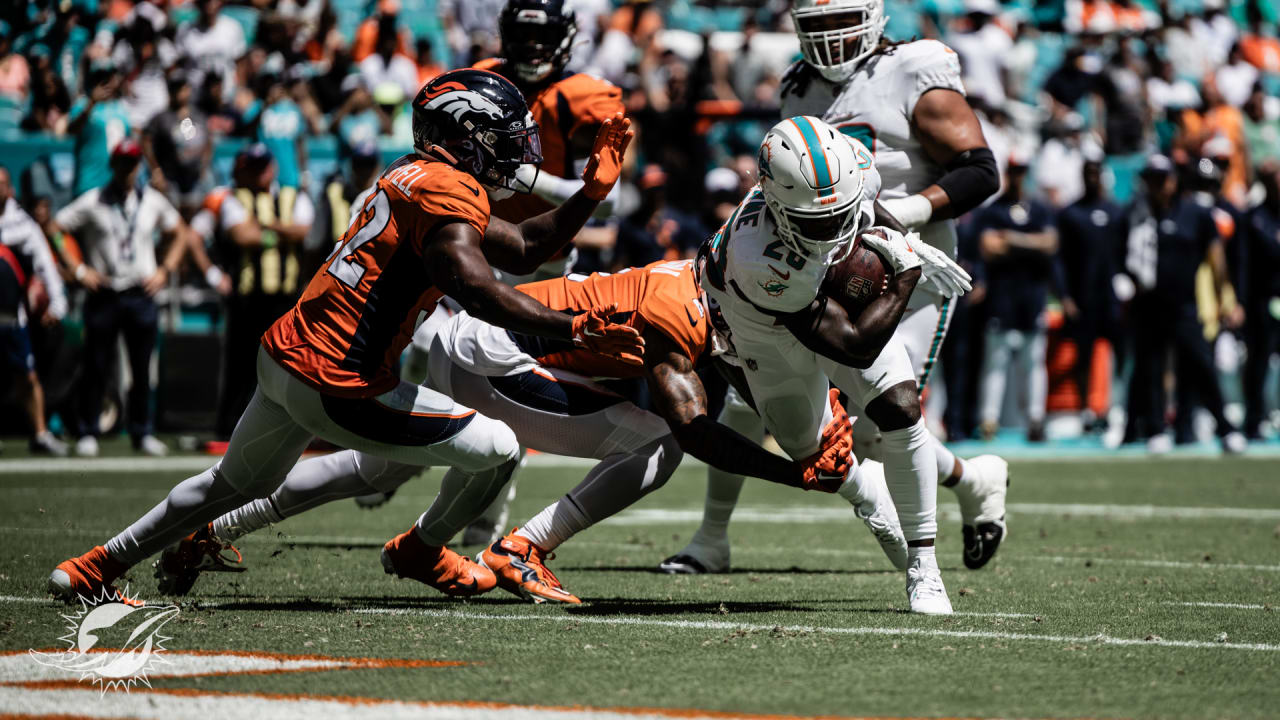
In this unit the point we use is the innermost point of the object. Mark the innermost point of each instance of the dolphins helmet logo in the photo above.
(117, 668)
(764, 160)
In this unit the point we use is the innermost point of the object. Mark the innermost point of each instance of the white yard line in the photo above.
(1226, 605)
(917, 632)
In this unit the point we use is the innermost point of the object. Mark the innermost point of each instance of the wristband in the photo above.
(269, 239)
(213, 276)
(80, 272)
(912, 211)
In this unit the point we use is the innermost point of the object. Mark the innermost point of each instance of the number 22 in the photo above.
(342, 264)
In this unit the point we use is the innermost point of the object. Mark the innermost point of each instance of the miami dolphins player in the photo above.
(904, 102)
(762, 272)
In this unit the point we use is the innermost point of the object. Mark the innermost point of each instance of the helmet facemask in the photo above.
(818, 232)
(835, 39)
(536, 45)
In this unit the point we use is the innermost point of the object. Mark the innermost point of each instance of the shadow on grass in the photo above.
(723, 610)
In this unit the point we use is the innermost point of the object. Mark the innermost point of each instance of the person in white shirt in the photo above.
(1235, 79)
(116, 226)
(387, 65)
(983, 48)
(213, 42)
(22, 242)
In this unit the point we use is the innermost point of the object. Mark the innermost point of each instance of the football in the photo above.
(858, 279)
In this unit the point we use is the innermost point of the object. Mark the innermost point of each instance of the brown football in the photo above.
(858, 279)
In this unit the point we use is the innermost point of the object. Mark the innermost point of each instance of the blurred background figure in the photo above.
(117, 226)
(179, 149)
(1019, 245)
(261, 226)
(1170, 235)
(1261, 297)
(30, 291)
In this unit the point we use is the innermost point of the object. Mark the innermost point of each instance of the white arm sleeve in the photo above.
(304, 211)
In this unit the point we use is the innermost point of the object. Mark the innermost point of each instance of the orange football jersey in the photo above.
(560, 109)
(360, 309)
(662, 294)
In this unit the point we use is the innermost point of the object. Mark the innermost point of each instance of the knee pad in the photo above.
(383, 475)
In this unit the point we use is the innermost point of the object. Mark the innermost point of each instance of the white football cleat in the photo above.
(87, 446)
(700, 557)
(925, 592)
(871, 502)
(1233, 443)
(151, 445)
(982, 508)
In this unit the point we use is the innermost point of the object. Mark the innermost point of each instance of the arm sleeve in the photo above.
(74, 217)
(930, 65)
(304, 210)
(169, 217)
(232, 213)
(46, 269)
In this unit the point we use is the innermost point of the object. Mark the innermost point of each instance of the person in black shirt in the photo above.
(1092, 231)
(1170, 235)
(1261, 296)
(1019, 245)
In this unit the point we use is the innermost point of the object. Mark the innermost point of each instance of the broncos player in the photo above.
(547, 391)
(763, 271)
(905, 103)
(325, 368)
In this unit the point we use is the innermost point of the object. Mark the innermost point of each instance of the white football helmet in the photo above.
(812, 179)
(837, 35)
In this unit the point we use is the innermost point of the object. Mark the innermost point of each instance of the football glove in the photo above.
(939, 270)
(593, 331)
(894, 246)
(826, 469)
(605, 165)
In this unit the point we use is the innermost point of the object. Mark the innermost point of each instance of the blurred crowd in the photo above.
(1126, 273)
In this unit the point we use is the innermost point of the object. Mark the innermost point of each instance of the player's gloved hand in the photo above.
(605, 165)
(826, 469)
(593, 331)
(939, 270)
(894, 246)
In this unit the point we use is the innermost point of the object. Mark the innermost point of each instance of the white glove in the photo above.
(939, 270)
(893, 246)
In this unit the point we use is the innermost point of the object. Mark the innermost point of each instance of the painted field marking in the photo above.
(1099, 639)
(1226, 605)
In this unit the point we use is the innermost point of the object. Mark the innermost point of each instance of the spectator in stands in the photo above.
(98, 123)
(261, 226)
(64, 41)
(1262, 126)
(178, 148)
(1019, 244)
(279, 124)
(1261, 297)
(1223, 125)
(656, 231)
(359, 120)
(383, 26)
(1073, 80)
(982, 45)
(428, 68)
(1189, 54)
(15, 75)
(1170, 236)
(1059, 169)
(116, 226)
(1168, 93)
(212, 43)
(1092, 235)
(387, 64)
(27, 272)
(1123, 95)
(1235, 79)
(50, 103)
(143, 55)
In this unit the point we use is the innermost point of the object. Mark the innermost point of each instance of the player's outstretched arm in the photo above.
(825, 328)
(457, 266)
(680, 398)
(520, 249)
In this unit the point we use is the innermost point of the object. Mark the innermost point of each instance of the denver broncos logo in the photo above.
(456, 100)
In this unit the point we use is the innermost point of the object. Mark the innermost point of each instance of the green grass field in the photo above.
(1132, 588)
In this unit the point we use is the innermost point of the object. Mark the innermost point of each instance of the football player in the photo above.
(326, 367)
(538, 37)
(905, 103)
(764, 270)
(547, 392)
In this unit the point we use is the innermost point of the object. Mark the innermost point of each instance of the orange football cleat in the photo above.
(89, 577)
(181, 563)
(406, 556)
(519, 566)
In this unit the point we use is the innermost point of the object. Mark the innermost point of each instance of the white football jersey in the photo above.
(805, 92)
(749, 273)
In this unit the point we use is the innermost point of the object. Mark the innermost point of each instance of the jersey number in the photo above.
(774, 251)
(342, 265)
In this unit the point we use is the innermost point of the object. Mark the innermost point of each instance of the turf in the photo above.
(770, 637)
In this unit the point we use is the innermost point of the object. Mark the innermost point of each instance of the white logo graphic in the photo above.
(135, 631)
(459, 102)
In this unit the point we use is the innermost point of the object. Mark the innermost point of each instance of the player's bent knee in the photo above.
(669, 458)
(489, 443)
(896, 408)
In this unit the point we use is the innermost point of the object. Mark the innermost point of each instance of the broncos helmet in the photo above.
(537, 37)
(480, 120)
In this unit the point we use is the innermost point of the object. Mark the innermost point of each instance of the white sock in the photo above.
(911, 472)
(924, 554)
(946, 462)
(557, 522)
(851, 488)
(723, 490)
(245, 519)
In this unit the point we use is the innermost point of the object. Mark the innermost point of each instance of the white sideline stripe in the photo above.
(1231, 606)
(921, 632)
(164, 706)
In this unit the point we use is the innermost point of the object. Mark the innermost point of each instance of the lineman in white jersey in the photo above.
(763, 271)
(906, 103)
